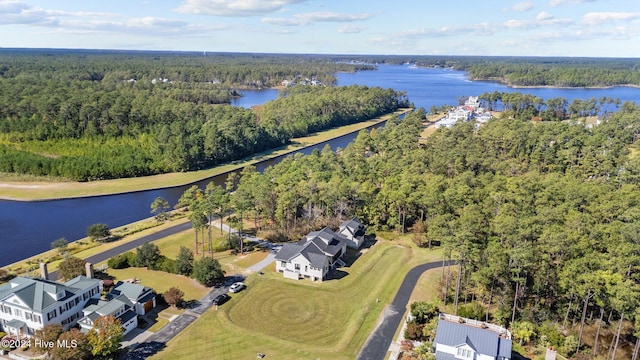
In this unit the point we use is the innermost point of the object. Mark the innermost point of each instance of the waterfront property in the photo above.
(142, 298)
(125, 302)
(312, 257)
(119, 307)
(461, 338)
(471, 110)
(29, 304)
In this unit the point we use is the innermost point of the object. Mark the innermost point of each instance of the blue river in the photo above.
(28, 228)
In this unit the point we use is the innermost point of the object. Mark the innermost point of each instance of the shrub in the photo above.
(423, 311)
(413, 331)
(71, 267)
(173, 296)
(119, 261)
(551, 333)
(165, 264)
(207, 271)
(98, 231)
(471, 311)
(132, 258)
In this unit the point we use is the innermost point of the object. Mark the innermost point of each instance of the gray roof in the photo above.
(483, 341)
(40, 294)
(289, 251)
(130, 290)
(354, 226)
(315, 247)
(315, 256)
(326, 240)
(445, 356)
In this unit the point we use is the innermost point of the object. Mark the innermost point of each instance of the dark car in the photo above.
(221, 299)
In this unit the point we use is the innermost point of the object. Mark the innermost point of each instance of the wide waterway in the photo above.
(28, 228)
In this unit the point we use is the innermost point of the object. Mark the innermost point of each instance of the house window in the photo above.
(297, 266)
(18, 313)
(283, 263)
(37, 319)
(464, 353)
(28, 316)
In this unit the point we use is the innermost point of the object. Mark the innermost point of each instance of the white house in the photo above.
(460, 338)
(29, 304)
(354, 231)
(119, 307)
(473, 101)
(312, 257)
(141, 297)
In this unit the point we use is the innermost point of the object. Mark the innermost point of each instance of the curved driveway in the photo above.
(378, 343)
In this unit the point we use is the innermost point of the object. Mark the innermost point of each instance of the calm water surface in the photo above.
(28, 228)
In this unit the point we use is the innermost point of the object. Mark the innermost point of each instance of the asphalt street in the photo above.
(105, 255)
(378, 343)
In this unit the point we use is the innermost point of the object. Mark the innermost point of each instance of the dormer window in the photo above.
(464, 353)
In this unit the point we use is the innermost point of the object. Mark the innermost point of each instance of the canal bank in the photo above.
(28, 228)
(44, 191)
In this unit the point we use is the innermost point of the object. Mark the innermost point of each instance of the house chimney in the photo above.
(88, 267)
(551, 354)
(44, 272)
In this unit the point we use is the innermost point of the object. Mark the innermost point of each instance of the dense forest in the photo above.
(86, 116)
(542, 217)
(526, 106)
(529, 71)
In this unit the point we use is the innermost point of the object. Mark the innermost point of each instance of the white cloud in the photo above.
(140, 26)
(520, 7)
(19, 12)
(596, 18)
(617, 33)
(234, 7)
(543, 19)
(351, 29)
(308, 18)
(542, 16)
(561, 2)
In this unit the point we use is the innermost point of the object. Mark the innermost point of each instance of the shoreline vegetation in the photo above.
(43, 191)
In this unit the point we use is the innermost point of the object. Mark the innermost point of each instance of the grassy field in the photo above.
(288, 319)
(161, 281)
(11, 186)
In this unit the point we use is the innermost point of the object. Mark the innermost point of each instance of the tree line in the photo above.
(527, 71)
(542, 218)
(81, 117)
(522, 105)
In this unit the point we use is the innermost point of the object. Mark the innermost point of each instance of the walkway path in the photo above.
(378, 343)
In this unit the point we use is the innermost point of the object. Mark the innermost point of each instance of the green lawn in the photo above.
(288, 319)
(161, 281)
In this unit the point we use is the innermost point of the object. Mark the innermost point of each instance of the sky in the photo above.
(592, 28)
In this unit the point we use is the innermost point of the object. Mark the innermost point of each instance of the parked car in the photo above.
(236, 287)
(221, 299)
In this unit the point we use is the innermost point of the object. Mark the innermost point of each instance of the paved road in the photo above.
(156, 342)
(105, 255)
(378, 343)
